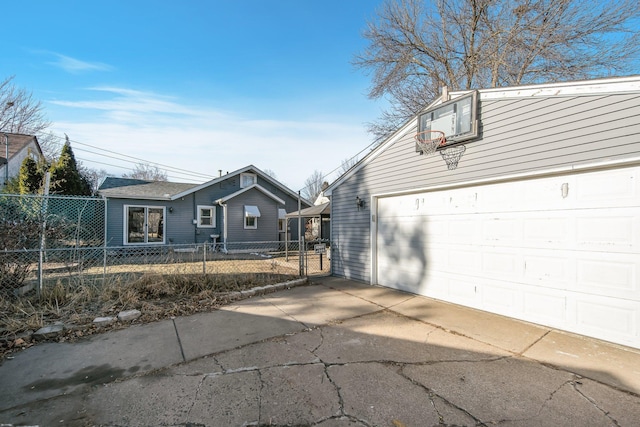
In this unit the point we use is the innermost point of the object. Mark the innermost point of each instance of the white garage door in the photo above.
(561, 251)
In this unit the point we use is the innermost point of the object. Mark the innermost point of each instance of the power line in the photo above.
(123, 157)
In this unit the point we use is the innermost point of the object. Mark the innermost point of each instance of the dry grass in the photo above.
(76, 302)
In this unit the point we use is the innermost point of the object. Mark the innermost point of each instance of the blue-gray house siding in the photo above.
(181, 201)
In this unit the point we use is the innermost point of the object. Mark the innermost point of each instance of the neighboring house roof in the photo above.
(251, 187)
(313, 211)
(17, 143)
(126, 188)
(245, 169)
(574, 88)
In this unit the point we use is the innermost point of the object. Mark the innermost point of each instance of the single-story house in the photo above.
(536, 218)
(14, 149)
(246, 205)
(317, 220)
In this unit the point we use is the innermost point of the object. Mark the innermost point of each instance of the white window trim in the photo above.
(125, 231)
(282, 220)
(255, 216)
(213, 216)
(243, 175)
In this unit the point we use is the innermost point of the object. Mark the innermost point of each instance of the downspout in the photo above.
(224, 225)
(195, 215)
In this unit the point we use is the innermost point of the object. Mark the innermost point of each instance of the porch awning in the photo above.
(282, 213)
(251, 211)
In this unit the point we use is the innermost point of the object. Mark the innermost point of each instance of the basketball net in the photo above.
(430, 140)
(452, 155)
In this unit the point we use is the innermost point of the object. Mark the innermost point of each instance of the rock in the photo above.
(103, 321)
(48, 332)
(129, 315)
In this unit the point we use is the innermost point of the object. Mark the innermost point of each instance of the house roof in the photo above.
(251, 187)
(563, 89)
(126, 188)
(313, 211)
(17, 143)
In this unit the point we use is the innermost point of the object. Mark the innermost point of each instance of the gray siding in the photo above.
(267, 223)
(180, 228)
(517, 136)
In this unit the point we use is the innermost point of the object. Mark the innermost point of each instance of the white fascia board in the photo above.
(401, 133)
(572, 88)
(251, 187)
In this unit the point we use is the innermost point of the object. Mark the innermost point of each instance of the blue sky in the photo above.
(198, 85)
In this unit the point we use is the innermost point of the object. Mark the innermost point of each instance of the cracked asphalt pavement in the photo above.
(333, 354)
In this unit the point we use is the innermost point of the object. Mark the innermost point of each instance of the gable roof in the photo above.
(251, 187)
(313, 211)
(126, 188)
(246, 169)
(548, 90)
(17, 143)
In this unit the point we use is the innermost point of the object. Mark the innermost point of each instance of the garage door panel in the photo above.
(612, 230)
(608, 274)
(607, 318)
(563, 251)
(504, 231)
(501, 298)
(502, 265)
(551, 269)
(612, 188)
(547, 307)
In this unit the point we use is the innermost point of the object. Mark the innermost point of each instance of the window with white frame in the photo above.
(206, 216)
(282, 220)
(144, 224)
(248, 179)
(251, 215)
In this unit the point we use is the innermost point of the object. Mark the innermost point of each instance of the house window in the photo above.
(206, 216)
(144, 224)
(248, 179)
(251, 215)
(282, 220)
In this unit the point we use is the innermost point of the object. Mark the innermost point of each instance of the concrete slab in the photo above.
(503, 332)
(611, 364)
(371, 394)
(297, 395)
(387, 336)
(281, 351)
(319, 305)
(384, 297)
(258, 363)
(52, 369)
(493, 392)
(233, 326)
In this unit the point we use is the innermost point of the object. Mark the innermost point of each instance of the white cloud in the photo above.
(73, 65)
(202, 139)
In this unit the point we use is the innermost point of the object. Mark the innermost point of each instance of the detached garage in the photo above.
(539, 219)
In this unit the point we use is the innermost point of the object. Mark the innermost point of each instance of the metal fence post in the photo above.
(204, 258)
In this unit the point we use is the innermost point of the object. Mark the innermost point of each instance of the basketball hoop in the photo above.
(429, 140)
(452, 155)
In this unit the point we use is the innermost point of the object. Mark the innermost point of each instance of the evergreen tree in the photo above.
(65, 176)
(30, 178)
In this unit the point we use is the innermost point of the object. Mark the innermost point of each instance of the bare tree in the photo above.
(347, 164)
(417, 46)
(20, 113)
(313, 186)
(147, 172)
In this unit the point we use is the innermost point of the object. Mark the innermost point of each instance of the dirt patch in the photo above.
(157, 296)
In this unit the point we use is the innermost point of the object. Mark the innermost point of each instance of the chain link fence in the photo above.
(53, 240)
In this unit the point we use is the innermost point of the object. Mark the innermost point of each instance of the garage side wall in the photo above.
(519, 137)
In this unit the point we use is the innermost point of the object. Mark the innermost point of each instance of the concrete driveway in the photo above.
(335, 353)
